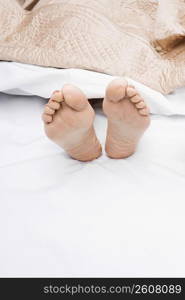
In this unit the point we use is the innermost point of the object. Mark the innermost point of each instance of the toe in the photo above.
(131, 92)
(57, 96)
(116, 90)
(144, 111)
(141, 104)
(47, 118)
(53, 104)
(49, 110)
(74, 97)
(136, 99)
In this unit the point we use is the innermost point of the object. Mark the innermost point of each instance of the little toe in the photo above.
(47, 118)
(74, 97)
(141, 104)
(116, 90)
(144, 111)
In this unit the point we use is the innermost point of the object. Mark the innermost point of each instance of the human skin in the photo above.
(68, 119)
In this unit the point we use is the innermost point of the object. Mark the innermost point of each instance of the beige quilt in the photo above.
(141, 39)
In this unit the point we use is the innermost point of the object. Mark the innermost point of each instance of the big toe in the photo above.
(116, 90)
(74, 97)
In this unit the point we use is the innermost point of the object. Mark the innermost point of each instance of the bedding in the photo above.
(109, 218)
(123, 38)
(23, 79)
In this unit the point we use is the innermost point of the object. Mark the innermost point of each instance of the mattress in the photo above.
(105, 218)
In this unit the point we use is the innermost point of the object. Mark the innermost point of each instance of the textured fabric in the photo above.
(141, 39)
(107, 218)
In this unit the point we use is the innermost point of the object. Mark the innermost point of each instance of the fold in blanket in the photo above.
(143, 39)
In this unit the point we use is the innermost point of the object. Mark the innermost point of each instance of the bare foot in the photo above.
(68, 119)
(128, 118)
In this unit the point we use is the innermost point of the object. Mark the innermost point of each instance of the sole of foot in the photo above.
(128, 118)
(68, 120)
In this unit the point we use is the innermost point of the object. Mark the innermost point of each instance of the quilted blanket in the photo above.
(140, 39)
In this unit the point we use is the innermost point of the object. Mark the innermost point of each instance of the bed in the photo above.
(105, 218)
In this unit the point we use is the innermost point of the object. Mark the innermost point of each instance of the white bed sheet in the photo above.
(61, 217)
(16, 78)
